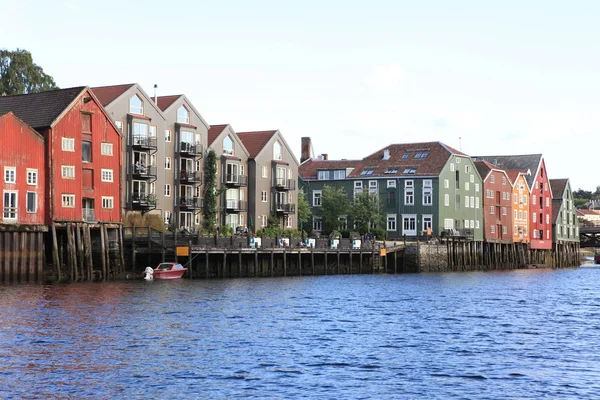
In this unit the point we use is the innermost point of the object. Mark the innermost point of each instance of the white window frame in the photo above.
(447, 200)
(32, 176)
(477, 187)
(106, 149)
(168, 135)
(167, 190)
(68, 200)
(424, 226)
(391, 183)
(427, 194)
(108, 202)
(319, 197)
(135, 109)
(168, 162)
(265, 172)
(68, 144)
(167, 217)
(392, 222)
(358, 184)
(186, 119)
(409, 197)
(317, 224)
(12, 210)
(446, 184)
(106, 175)
(119, 125)
(10, 174)
(263, 196)
(68, 172)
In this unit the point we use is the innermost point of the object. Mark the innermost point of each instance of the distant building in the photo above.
(497, 203)
(564, 219)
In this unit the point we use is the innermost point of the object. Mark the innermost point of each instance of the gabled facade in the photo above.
(22, 162)
(232, 170)
(272, 177)
(520, 206)
(564, 219)
(83, 149)
(497, 204)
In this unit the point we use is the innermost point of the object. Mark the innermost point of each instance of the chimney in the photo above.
(155, 98)
(386, 154)
(306, 151)
(325, 156)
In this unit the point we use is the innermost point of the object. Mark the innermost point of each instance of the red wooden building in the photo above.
(22, 164)
(497, 210)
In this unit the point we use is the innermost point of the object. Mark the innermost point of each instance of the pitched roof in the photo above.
(40, 110)
(558, 187)
(26, 126)
(513, 174)
(484, 168)
(524, 162)
(255, 141)
(214, 131)
(108, 94)
(582, 212)
(407, 159)
(308, 169)
(164, 102)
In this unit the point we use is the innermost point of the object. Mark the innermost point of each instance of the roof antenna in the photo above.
(155, 98)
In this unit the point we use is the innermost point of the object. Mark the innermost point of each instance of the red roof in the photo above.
(108, 94)
(214, 131)
(513, 174)
(165, 102)
(308, 169)
(255, 141)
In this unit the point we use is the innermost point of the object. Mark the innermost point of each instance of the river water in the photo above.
(525, 334)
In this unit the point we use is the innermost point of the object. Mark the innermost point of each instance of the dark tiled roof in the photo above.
(40, 110)
(437, 154)
(308, 169)
(165, 102)
(255, 141)
(558, 187)
(484, 168)
(214, 132)
(108, 94)
(522, 162)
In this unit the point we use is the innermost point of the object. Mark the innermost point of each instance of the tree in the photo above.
(334, 204)
(304, 212)
(209, 208)
(19, 75)
(367, 212)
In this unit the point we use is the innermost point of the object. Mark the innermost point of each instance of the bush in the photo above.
(380, 234)
(226, 231)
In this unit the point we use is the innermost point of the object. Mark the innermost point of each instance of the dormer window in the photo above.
(136, 106)
(277, 154)
(367, 172)
(183, 115)
(422, 154)
(228, 146)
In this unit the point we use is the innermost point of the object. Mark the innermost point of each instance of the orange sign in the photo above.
(182, 251)
(382, 252)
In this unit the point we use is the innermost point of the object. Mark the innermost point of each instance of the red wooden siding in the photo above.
(541, 189)
(85, 121)
(497, 210)
(21, 147)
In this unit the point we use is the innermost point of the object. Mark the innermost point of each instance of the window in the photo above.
(427, 196)
(515, 214)
(152, 130)
(107, 202)
(467, 186)
(447, 200)
(492, 228)
(491, 178)
(290, 197)
(32, 175)
(337, 174)
(515, 198)
(427, 183)
(409, 197)
(446, 184)
(525, 200)
(263, 220)
(228, 146)
(357, 184)
(317, 224)
(476, 202)
(167, 217)
(86, 151)
(168, 140)
(277, 154)
(405, 156)
(68, 144)
(106, 149)
(452, 167)
(477, 187)
(548, 218)
(10, 206)
(367, 172)
(467, 169)
(409, 171)
(503, 210)
(492, 210)
(391, 222)
(472, 202)
(86, 123)
(183, 115)
(391, 199)
(119, 125)
(420, 155)
(322, 175)
(197, 218)
(317, 198)
(68, 172)
(264, 172)
(107, 175)
(547, 201)
(391, 171)
(391, 183)
(263, 196)
(167, 190)
(534, 215)
(167, 162)
(372, 184)
(136, 106)
(68, 200)
(409, 224)
(466, 201)
(533, 200)
(31, 202)
(428, 224)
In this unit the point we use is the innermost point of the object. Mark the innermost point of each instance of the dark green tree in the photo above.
(19, 75)
(367, 212)
(334, 204)
(304, 212)
(209, 208)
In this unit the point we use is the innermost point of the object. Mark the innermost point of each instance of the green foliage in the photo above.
(334, 204)
(226, 231)
(19, 75)
(272, 222)
(147, 220)
(367, 212)
(304, 212)
(209, 208)
(379, 233)
(273, 232)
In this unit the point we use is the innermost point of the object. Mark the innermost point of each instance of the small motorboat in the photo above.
(597, 258)
(169, 270)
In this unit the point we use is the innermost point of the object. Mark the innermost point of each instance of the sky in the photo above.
(353, 76)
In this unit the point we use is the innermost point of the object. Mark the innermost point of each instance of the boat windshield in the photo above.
(163, 266)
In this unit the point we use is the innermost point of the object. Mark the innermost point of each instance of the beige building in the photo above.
(232, 175)
(273, 178)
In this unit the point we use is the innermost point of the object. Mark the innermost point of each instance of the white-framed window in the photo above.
(265, 172)
(533, 200)
(68, 172)
(477, 187)
(492, 178)
(476, 224)
(548, 218)
(10, 205)
(457, 160)
(409, 224)
(168, 134)
(503, 210)
(448, 223)
(547, 201)
(492, 212)
(10, 174)
(183, 115)
(106, 149)
(228, 145)
(391, 183)
(467, 186)
(263, 220)
(136, 106)
(534, 215)
(167, 162)
(68, 200)
(68, 144)
(31, 202)
(108, 202)
(427, 183)
(32, 176)
(452, 167)
(446, 184)
(391, 222)
(466, 201)
(476, 202)
(167, 217)
(409, 197)
(167, 190)
(504, 230)
(447, 200)
(428, 223)
(317, 198)
(317, 224)
(119, 125)
(409, 183)
(152, 131)
(535, 233)
(288, 221)
(427, 196)
(277, 151)
(263, 196)
(492, 228)
(357, 184)
(107, 175)
(197, 219)
(472, 202)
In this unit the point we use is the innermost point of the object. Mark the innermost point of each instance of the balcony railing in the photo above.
(191, 149)
(190, 203)
(235, 180)
(142, 200)
(457, 233)
(285, 184)
(190, 176)
(88, 215)
(144, 142)
(143, 172)
(285, 208)
(236, 205)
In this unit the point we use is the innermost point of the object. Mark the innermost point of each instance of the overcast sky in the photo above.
(354, 76)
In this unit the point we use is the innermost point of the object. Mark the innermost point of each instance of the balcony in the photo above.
(235, 206)
(285, 184)
(235, 180)
(88, 215)
(285, 208)
(144, 142)
(143, 201)
(141, 172)
(191, 149)
(190, 177)
(190, 203)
